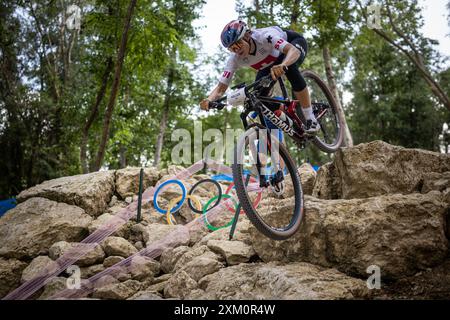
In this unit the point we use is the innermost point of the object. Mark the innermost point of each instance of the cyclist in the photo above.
(267, 50)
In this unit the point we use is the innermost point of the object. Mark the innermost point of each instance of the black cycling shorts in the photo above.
(293, 74)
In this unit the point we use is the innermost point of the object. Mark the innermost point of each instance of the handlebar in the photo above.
(264, 82)
(217, 104)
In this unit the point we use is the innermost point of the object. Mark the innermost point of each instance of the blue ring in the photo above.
(183, 189)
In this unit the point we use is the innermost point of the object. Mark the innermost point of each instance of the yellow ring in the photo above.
(173, 203)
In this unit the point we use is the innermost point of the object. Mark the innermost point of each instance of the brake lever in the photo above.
(216, 105)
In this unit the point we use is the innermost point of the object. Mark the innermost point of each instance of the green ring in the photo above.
(205, 207)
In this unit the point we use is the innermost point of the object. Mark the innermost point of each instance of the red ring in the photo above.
(255, 203)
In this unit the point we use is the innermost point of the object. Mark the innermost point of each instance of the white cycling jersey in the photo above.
(270, 43)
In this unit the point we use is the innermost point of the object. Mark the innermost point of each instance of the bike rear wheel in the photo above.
(276, 217)
(330, 136)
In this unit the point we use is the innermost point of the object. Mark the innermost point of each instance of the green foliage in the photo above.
(391, 102)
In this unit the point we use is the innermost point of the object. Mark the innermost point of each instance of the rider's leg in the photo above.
(299, 87)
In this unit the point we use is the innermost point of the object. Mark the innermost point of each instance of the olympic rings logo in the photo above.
(194, 203)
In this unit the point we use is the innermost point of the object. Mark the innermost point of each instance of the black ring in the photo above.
(196, 185)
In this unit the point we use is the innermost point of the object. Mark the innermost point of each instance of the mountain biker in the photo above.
(267, 50)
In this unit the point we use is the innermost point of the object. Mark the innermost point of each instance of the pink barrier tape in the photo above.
(174, 238)
(94, 239)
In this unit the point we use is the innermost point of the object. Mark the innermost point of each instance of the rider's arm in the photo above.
(292, 54)
(224, 81)
(218, 91)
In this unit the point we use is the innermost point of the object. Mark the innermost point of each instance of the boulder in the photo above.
(159, 284)
(10, 275)
(201, 266)
(399, 233)
(378, 168)
(307, 177)
(54, 286)
(91, 192)
(127, 180)
(202, 251)
(93, 256)
(36, 267)
(117, 291)
(112, 260)
(146, 295)
(327, 184)
(170, 234)
(90, 271)
(234, 252)
(152, 232)
(144, 268)
(436, 181)
(104, 281)
(274, 281)
(241, 233)
(180, 285)
(170, 256)
(116, 246)
(33, 226)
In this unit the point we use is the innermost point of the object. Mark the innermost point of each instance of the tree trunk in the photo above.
(115, 87)
(348, 140)
(94, 111)
(164, 118)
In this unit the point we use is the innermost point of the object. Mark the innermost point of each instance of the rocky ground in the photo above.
(374, 205)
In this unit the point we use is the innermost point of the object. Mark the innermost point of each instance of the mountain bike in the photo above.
(263, 164)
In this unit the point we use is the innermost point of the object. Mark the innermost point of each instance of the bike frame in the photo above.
(255, 104)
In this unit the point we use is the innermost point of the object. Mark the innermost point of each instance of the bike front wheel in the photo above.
(267, 169)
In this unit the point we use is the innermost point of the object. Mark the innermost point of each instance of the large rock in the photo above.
(107, 220)
(91, 192)
(36, 267)
(117, 291)
(144, 268)
(112, 260)
(399, 233)
(115, 246)
(234, 252)
(170, 257)
(307, 177)
(53, 286)
(241, 233)
(274, 281)
(378, 168)
(201, 266)
(436, 181)
(327, 184)
(127, 180)
(202, 251)
(146, 295)
(90, 271)
(93, 256)
(157, 233)
(180, 285)
(10, 275)
(33, 226)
